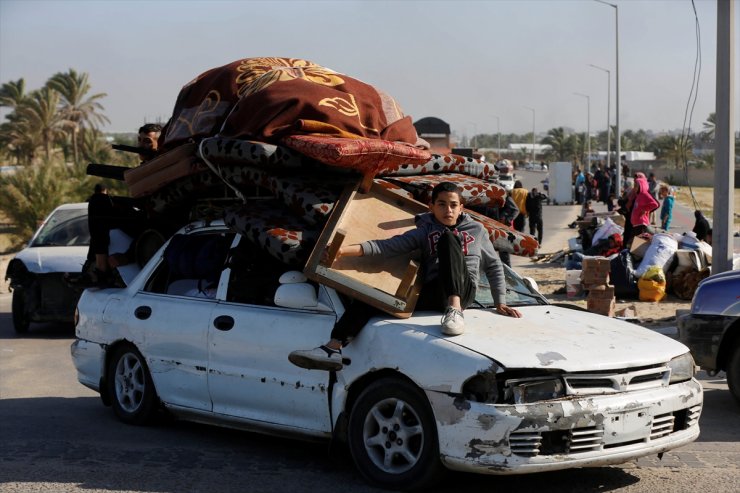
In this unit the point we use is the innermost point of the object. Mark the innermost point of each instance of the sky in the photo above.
(482, 66)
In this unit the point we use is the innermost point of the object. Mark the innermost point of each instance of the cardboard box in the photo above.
(639, 247)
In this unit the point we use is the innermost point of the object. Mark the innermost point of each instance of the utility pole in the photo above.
(533, 120)
(588, 127)
(724, 162)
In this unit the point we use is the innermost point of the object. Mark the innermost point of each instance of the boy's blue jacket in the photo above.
(477, 247)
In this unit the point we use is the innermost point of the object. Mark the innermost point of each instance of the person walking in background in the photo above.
(534, 211)
(653, 191)
(666, 212)
(580, 187)
(519, 194)
(641, 204)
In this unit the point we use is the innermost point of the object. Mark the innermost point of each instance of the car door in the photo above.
(173, 313)
(249, 375)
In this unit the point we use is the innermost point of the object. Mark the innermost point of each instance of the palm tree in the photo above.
(79, 109)
(709, 126)
(559, 142)
(12, 93)
(40, 115)
(678, 150)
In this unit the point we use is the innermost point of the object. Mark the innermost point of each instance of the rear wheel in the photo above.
(733, 373)
(393, 436)
(21, 319)
(130, 386)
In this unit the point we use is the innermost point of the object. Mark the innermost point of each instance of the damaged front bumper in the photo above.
(572, 432)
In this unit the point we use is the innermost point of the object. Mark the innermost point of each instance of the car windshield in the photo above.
(518, 292)
(65, 227)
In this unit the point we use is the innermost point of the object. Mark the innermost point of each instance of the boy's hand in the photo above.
(508, 311)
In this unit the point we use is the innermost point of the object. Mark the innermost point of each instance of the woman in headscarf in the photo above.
(640, 203)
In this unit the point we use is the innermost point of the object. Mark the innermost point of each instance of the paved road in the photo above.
(56, 436)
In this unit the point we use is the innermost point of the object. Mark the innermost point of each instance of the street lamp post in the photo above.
(533, 119)
(588, 123)
(498, 132)
(617, 136)
(608, 107)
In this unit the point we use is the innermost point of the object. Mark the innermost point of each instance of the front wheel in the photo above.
(130, 386)
(21, 319)
(733, 373)
(393, 436)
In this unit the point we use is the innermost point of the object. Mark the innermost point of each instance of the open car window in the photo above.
(191, 265)
(253, 274)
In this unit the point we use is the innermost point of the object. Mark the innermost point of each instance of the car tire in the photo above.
(733, 372)
(393, 436)
(130, 386)
(21, 320)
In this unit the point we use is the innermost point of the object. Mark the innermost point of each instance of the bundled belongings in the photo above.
(270, 144)
(652, 284)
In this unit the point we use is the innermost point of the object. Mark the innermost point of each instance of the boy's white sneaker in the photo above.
(453, 322)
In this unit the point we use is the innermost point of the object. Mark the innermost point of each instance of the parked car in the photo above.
(556, 389)
(37, 273)
(506, 181)
(712, 328)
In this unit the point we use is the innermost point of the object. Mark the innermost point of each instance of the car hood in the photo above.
(45, 260)
(552, 337)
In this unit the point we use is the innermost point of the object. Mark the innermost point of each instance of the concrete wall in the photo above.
(697, 177)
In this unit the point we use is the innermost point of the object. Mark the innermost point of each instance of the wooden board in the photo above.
(391, 285)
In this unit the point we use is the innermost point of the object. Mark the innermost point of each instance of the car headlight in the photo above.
(481, 388)
(682, 368)
(535, 390)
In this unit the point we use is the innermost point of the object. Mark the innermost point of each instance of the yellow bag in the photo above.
(652, 285)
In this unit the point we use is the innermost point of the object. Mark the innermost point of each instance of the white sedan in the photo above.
(206, 336)
(37, 273)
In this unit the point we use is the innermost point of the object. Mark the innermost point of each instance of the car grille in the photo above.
(591, 438)
(606, 383)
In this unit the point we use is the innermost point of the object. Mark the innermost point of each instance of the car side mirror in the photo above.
(296, 295)
(295, 292)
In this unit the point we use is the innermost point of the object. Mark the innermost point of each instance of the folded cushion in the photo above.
(474, 190)
(366, 156)
(442, 163)
(273, 229)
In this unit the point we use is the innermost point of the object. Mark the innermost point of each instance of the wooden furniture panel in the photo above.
(391, 285)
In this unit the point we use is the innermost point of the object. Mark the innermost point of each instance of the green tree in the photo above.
(12, 93)
(709, 126)
(29, 195)
(41, 116)
(561, 145)
(79, 109)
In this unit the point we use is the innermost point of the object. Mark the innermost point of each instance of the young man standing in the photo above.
(534, 210)
(454, 248)
(148, 139)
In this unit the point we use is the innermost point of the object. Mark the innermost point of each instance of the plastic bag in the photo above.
(606, 230)
(652, 284)
(622, 276)
(660, 253)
